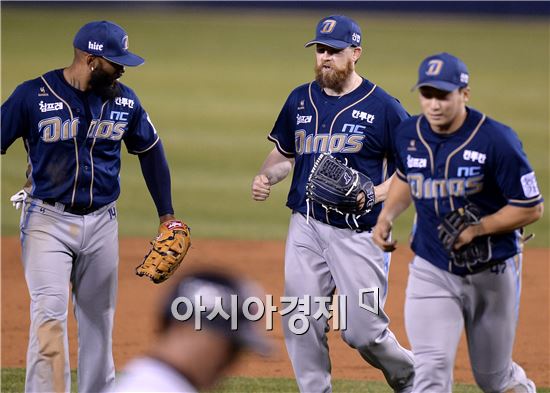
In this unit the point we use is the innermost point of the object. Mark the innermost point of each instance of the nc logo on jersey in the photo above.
(50, 106)
(95, 46)
(303, 119)
(363, 116)
(412, 145)
(413, 162)
(434, 67)
(123, 101)
(475, 156)
(328, 26)
(119, 116)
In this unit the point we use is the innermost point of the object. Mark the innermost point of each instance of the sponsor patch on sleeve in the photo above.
(529, 185)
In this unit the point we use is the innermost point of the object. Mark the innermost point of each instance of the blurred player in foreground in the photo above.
(191, 355)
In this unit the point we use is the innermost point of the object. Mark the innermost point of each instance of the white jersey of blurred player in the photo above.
(151, 375)
(191, 352)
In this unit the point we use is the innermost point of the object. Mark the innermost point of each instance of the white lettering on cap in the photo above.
(95, 46)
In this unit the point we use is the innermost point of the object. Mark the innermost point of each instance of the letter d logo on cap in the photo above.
(434, 67)
(328, 26)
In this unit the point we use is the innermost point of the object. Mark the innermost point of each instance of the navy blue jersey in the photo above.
(482, 162)
(357, 126)
(73, 138)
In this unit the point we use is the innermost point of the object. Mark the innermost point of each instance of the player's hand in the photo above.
(166, 217)
(466, 236)
(261, 188)
(381, 235)
(361, 200)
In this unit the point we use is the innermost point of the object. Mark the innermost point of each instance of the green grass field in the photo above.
(13, 379)
(214, 82)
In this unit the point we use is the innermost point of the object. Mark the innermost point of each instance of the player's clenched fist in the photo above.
(261, 187)
(381, 235)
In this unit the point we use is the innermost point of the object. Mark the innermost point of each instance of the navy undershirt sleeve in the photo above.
(156, 173)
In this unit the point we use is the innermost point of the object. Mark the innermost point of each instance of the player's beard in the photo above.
(104, 85)
(334, 79)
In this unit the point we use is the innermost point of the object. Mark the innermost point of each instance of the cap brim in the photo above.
(129, 60)
(439, 85)
(336, 44)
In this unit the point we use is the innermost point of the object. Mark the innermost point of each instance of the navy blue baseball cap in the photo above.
(337, 31)
(108, 40)
(442, 71)
(217, 290)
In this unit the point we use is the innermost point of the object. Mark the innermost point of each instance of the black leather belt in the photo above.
(79, 211)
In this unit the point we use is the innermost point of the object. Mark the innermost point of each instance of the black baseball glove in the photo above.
(472, 255)
(336, 186)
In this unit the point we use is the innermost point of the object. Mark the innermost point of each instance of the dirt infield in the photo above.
(263, 261)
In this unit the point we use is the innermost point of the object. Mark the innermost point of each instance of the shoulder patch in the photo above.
(529, 185)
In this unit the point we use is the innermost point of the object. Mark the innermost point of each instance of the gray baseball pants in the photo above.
(60, 250)
(320, 258)
(439, 304)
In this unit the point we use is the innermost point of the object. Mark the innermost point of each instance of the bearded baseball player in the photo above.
(336, 132)
(72, 122)
(473, 189)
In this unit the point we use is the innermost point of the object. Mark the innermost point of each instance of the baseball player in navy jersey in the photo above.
(450, 156)
(72, 122)
(352, 118)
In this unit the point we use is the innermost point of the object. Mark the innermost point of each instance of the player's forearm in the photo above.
(397, 201)
(276, 167)
(381, 190)
(508, 219)
(156, 173)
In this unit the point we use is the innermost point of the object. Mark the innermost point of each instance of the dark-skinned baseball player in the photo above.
(72, 122)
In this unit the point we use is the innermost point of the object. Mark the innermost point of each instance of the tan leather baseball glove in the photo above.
(169, 249)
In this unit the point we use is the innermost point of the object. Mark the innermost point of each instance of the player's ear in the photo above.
(90, 61)
(357, 50)
(466, 93)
